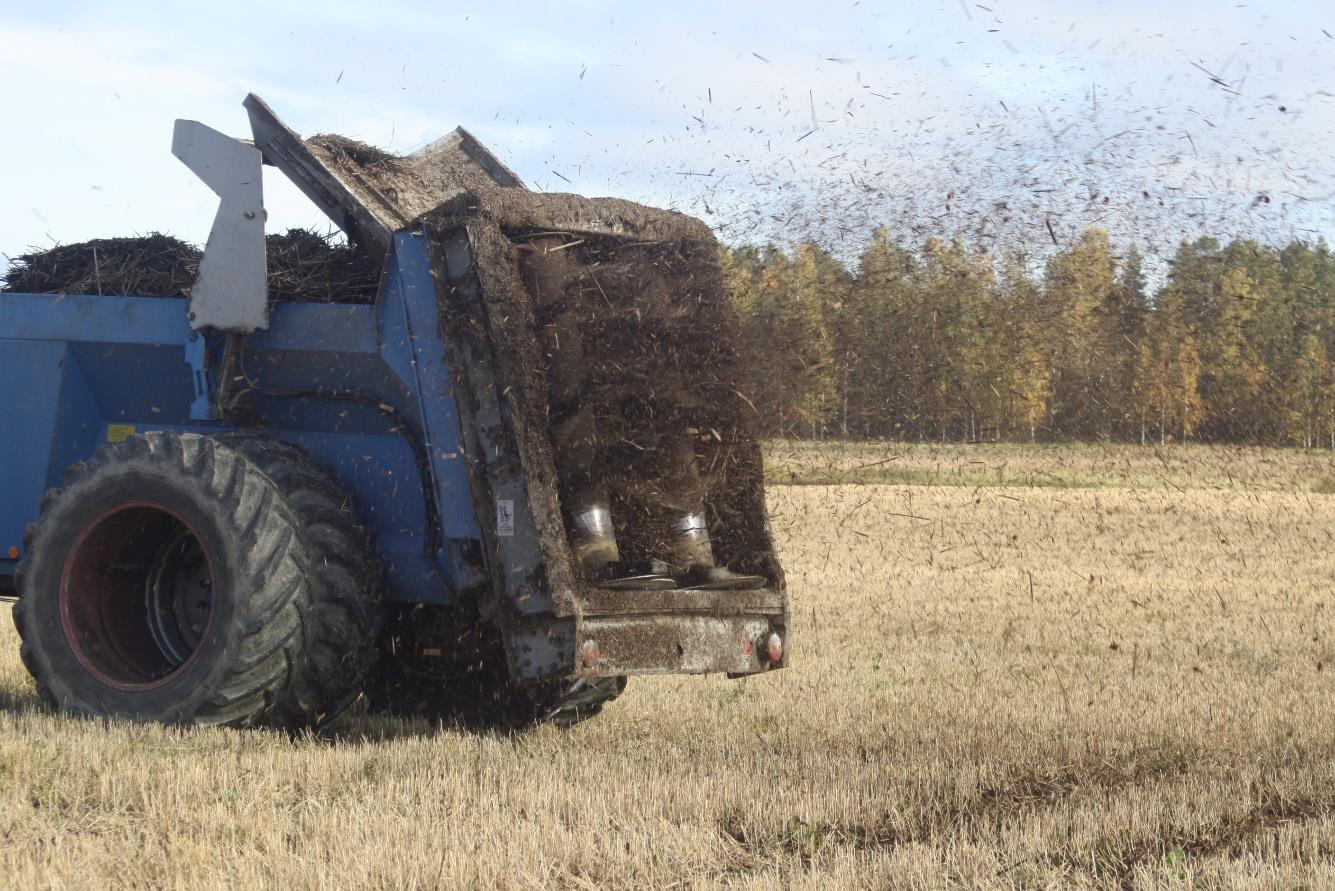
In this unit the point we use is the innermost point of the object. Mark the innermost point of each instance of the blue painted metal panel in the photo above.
(78, 424)
(74, 365)
(137, 383)
(30, 373)
(411, 282)
(319, 327)
(75, 318)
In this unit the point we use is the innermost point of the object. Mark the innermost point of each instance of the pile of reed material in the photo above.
(304, 267)
(153, 265)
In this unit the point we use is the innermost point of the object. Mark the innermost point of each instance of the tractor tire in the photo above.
(186, 579)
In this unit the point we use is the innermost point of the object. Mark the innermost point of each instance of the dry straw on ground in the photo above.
(1123, 684)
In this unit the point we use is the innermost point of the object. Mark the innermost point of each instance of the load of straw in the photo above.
(303, 266)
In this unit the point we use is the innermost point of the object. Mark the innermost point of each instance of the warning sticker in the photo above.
(119, 432)
(505, 517)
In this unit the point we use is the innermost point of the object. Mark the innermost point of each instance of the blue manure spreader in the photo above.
(512, 473)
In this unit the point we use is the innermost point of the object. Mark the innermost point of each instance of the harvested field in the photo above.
(1058, 465)
(1118, 677)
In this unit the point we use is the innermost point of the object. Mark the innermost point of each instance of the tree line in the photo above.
(946, 341)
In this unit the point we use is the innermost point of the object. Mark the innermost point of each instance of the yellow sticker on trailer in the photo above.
(119, 432)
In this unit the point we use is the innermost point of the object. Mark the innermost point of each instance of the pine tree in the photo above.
(1078, 288)
(874, 358)
(1126, 317)
(1234, 369)
(817, 295)
(952, 288)
(1025, 375)
(785, 304)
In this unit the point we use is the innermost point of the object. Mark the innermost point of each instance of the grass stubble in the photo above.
(1119, 681)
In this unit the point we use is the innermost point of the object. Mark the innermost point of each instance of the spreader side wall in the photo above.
(32, 375)
(56, 411)
(356, 386)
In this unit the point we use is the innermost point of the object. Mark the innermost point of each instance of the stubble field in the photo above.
(1012, 667)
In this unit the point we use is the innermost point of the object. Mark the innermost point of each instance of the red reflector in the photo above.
(774, 648)
(589, 653)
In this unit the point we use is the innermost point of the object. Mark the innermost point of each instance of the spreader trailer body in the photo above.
(218, 508)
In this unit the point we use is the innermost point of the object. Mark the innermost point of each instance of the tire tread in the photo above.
(304, 630)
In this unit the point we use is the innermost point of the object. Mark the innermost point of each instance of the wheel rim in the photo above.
(137, 596)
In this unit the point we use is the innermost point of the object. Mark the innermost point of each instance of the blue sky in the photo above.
(995, 120)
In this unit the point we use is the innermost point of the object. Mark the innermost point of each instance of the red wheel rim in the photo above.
(137, 596)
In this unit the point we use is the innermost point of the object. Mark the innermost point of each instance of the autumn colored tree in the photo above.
(785, 306)
(946, 342)
(875, 357)
(1127, 313)
(1085, 356)
(1024, 375)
